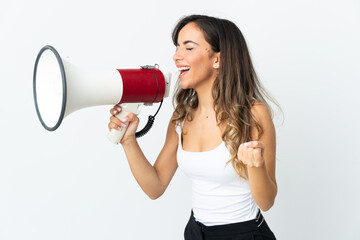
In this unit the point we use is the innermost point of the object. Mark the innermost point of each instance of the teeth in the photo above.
(184, 68)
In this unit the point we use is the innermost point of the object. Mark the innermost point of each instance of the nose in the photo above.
(177, 56)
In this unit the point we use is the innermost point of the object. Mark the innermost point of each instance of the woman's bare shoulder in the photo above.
(172, 125)
(260, 111)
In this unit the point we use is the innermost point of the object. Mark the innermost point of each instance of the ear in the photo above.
(216, 63)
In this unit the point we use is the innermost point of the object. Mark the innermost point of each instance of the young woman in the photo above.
(221, 134)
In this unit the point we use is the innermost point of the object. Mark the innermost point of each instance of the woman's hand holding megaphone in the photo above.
(130, 122)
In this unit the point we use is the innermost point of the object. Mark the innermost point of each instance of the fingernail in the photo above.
(125, 119)
(247, 144)
(115, 112)
(119, 128)
(118, 109)
(123, 124)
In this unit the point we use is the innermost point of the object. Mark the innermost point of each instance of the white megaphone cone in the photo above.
(61, 88)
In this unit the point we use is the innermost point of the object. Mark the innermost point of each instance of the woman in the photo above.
(221, 134)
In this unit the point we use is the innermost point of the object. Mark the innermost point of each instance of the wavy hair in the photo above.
(234, 90)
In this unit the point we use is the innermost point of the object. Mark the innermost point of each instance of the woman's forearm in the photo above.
(144, 173)
(263, 189)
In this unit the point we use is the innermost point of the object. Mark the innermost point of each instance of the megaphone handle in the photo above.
(115, 136)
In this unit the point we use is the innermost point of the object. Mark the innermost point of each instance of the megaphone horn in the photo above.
(61, 88)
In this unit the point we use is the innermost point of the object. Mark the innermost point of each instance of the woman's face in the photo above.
(194, 58)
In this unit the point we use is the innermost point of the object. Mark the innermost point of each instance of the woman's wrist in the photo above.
(128, 141)
(257, 170)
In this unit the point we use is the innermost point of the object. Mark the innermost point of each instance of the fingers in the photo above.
(116, 123)
(257, 158)
(115, 110)
(255, 144)
(251, 153)
(131, 117)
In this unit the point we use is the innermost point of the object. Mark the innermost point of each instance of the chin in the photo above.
(184, 85)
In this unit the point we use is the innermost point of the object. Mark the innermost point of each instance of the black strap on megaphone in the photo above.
(151, 119)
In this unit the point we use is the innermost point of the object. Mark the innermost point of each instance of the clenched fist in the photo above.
(252, 153)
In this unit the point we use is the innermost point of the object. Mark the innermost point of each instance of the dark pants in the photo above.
(256, 229)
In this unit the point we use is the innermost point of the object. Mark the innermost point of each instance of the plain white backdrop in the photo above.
(74, 184)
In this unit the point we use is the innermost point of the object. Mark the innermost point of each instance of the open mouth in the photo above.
(183, 71)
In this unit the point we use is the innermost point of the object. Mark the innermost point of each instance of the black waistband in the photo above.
(232, 228)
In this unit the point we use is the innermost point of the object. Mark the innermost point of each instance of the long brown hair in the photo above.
(234, 90)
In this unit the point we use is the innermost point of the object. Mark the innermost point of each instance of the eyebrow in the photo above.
(186, 42)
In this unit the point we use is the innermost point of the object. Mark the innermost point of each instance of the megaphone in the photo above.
(61, 88)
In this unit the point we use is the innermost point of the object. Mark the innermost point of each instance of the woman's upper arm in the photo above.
(268, 137)
(166, 163)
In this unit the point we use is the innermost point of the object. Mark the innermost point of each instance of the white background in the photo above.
(74, 184)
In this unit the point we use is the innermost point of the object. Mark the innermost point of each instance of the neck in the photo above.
(206, 100)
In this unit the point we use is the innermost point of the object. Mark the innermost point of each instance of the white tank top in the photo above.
(219, 195)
